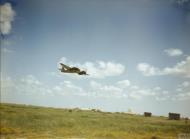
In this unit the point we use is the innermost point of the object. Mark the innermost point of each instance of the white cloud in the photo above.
(68, 88)
(99, 90)
(135, 96)
(179, 89)
(121, 89)
(111, 89)
(57, 88)
(181, 69)
(162, 98)
(179, 95)
(95, 85)
(185, 84)
(28, 85)
(144, 92)
(31, 80)
(123, 83)
(98, 69)
(31, 86)
(6, 81)
(71, 86)
(134, 87)
(182, 96)
(6, 17)
(6, 50)
(157, 88)
(148, 70)
(54, 74)
(164, 92)
(173, 52)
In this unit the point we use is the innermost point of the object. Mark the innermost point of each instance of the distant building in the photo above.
(147, 114)
(174, 116)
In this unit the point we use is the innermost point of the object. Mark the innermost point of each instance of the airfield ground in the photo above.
(33, 122)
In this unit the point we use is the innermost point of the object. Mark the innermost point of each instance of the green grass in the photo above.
(22, 121)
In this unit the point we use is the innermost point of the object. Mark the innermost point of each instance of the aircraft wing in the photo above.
(65, 66)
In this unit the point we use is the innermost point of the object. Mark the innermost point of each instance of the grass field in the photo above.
(32, 122)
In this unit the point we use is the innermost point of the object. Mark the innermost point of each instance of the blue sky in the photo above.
(137, 53)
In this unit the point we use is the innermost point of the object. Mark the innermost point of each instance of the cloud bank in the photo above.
(180, 69)
(6, 50)
(6, 17)
(98, 69)
(30, 86)
(173, 52)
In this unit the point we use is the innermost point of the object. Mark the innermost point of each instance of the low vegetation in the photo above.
(29, 122)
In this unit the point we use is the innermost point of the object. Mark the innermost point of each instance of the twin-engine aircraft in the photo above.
(67, 69)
